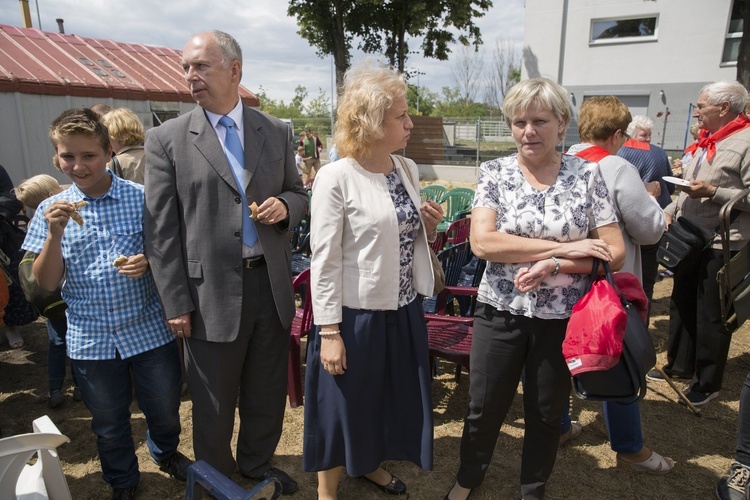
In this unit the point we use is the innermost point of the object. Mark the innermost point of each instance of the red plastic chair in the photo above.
(439, 242)
(458, 231)
(301, 325)
(449, 337)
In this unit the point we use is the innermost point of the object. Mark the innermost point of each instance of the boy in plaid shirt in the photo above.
(115, 319)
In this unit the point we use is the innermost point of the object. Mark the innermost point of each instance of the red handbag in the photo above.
(596, 328)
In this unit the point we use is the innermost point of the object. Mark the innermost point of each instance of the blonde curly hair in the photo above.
(369, 91)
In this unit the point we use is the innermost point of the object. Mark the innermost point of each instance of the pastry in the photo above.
(77, 205)
(253, 211)
(120, 261)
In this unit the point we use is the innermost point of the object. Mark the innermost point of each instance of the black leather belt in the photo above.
(253, 262)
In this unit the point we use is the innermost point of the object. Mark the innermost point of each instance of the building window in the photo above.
(615, 30)
(734, 32)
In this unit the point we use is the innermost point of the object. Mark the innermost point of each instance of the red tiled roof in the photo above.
(39, 62)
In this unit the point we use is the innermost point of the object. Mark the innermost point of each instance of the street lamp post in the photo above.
(413, 72)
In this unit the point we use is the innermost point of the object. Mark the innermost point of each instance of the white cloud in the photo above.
(275, 56)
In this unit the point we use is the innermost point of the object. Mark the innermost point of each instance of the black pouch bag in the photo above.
(681, 244)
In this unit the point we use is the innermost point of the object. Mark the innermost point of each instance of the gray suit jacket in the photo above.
(193, 218)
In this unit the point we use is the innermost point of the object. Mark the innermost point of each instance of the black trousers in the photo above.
(503, 347)
(249, 374)
(698, 342)
(649, 271)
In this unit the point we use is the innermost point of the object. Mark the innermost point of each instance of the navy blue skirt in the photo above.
(381, 407)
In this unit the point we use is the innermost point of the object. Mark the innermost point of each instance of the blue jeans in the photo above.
(57, 356)
(107, 391)
(623, 426)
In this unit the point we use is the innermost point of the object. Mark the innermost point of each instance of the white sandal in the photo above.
(14, 338)
(655, 464)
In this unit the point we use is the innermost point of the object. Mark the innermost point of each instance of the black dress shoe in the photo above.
(124, 493)
(288, 485)
(395, 487)
(176, 466)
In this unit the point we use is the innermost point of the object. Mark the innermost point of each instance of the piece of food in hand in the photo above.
(253, 210)
(77, 205)
(119, 261)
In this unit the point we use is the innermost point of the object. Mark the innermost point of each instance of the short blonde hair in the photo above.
(369, 91)
(541, 92)
(124, 126)
(35, 190)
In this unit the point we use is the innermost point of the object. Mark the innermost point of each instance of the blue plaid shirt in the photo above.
(107, 312)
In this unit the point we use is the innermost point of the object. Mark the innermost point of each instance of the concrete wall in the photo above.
(687, 49)
(25, 149)
(666, 72)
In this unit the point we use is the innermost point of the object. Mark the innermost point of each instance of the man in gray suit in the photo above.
(224, 277)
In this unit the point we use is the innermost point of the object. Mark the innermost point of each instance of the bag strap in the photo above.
(607, 274)
(405, 168)
(117, 167)
(725, 221)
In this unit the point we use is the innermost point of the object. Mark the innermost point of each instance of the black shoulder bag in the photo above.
(624, 383)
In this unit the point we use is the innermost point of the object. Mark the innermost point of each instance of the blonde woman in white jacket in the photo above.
(367, 389)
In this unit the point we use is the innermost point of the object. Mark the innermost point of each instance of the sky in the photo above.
(275, 56)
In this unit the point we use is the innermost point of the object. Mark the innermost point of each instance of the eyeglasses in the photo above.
(625, 135)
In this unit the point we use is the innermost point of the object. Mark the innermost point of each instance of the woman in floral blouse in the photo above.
(539, 217)
(368, 395)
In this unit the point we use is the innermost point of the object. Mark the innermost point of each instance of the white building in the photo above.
(654, 55)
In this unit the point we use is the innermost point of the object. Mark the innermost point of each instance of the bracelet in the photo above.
(557, 266)
(330, 333)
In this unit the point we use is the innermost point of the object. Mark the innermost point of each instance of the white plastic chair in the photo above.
(44, 479)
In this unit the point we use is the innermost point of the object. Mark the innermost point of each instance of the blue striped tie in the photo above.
(236, 158)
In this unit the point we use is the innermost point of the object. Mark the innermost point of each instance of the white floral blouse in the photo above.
(567, 211)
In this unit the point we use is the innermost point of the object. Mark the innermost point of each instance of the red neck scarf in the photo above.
(593, 153)
(708, 142)
(632, 143)
(702, 134)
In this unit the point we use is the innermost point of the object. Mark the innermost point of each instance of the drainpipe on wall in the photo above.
(563, 32)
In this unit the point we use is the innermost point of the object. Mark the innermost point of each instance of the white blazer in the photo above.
(354, 238)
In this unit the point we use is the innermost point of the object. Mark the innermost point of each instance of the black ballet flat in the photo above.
(448, 495)
(395, 487)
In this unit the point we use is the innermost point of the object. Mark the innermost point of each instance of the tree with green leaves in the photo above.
(279, 109)
(433, 20)
(452, 103)
(330, 26)
(384, 25)
(420, 100)
(320, 106)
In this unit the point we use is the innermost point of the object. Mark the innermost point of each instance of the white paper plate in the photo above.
(676, 180)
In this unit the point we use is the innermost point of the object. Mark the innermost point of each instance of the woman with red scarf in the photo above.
(601, 123)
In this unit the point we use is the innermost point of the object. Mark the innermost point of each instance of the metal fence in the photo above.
(472, 140)
(478, 139)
